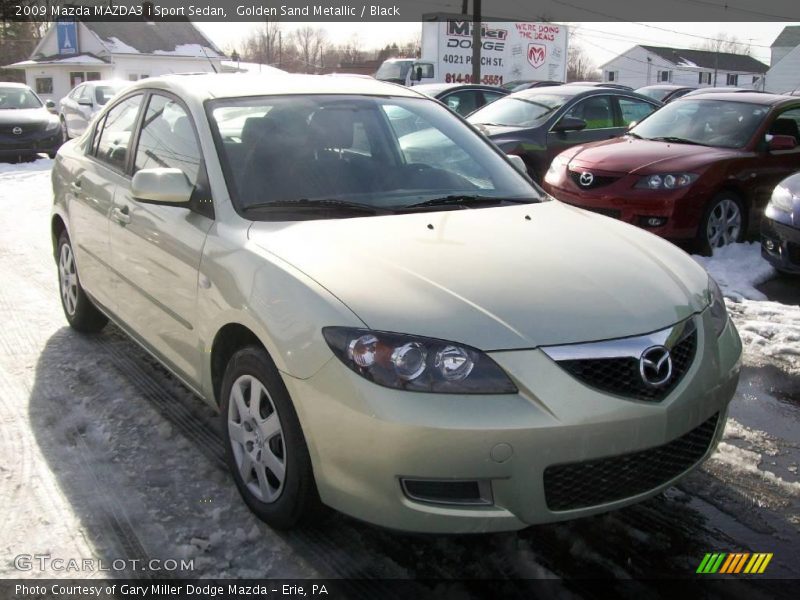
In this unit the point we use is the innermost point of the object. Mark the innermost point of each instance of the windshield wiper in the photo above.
(634, 135)
(463, 201)
(676, 140)
(320, 203)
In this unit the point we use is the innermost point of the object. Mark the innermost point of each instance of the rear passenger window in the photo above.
(634, 110)
(115, 138)
(167, 139)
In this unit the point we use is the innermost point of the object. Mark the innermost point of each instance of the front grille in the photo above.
(26, 128)
(597, 180)
(621, 375)
(595, 482)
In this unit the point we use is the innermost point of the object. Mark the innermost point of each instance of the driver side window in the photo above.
(596, 111)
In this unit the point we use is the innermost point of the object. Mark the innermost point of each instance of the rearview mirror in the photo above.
(161, 186)
(569, 124)
(517, 162)
(781, 142)
(50, 105)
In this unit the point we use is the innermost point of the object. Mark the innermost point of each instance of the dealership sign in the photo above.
(67, 33)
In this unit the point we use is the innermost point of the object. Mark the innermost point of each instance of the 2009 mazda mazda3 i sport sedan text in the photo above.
(378, 302)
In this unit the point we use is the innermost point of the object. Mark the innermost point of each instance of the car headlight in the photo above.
(53, 125)
(719, 313)
(782, 199)
(669, 181)
(417, 364)
(559, 162)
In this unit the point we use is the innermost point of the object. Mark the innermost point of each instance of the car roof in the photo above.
(748, 97)
(665, 87)
(233, 85)
(436, 88)
(14, 84)
(577, 90)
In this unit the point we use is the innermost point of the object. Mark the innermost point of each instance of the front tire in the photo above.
(265, 447)
(724, 222)
(81, 314)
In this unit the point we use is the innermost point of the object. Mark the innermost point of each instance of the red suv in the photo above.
(701, 167)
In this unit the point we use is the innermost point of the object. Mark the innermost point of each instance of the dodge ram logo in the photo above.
(537, 53)
(17, 131)
(655, 366)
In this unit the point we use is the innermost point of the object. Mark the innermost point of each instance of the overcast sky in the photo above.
(602, 41)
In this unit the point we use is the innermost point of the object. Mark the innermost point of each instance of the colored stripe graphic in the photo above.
(734, 563)
(741, 562)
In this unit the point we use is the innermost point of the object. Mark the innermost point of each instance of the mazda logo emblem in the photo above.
(655, 366)
(586, 179)
(16, 130)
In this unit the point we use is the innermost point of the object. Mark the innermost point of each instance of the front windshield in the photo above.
(519, 111)
(720, 123)
(18, 98)
(393, 70)
(654, 93)
(384, 153)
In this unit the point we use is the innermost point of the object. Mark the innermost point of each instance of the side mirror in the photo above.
(161, 186)
(517, 162)
(84, 102)
(781, 142)
(569, 124)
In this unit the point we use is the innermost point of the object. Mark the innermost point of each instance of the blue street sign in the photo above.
(67, 37)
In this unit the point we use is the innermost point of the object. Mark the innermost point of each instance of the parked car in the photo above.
(462, 98)
(701, 168)
(603, 84)
(664, 92)
(390, 337)
(537, 124)
(792, 92)
(525, 84)
(27, 127)
(77, 108)
(716, 90)
(780, 227)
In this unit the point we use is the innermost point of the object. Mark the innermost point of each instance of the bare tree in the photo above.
(722, 42)
(579, 65)
(311, 44)
(265, 44)
(351, 51)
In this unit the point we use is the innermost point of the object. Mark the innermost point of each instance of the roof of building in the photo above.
(708, 59)
(788, 38)
(171, 38)
(83, 59)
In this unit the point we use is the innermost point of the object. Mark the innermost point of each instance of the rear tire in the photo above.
(264, 443)
(724, 222)
(81, 314)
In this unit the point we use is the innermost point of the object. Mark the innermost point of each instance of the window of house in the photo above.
(93, 76)
(44, 85)
(704, 78)
(732, 79)
(76, 78)
(665, 76)
(115, 138)
(612, 75)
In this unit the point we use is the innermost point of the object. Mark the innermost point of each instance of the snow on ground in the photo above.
(738, 268)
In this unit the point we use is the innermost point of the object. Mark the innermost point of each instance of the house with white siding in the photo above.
(651, 65)
(75, 51)
(784, 66)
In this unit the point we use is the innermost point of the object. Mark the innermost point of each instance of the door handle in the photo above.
(120, 215)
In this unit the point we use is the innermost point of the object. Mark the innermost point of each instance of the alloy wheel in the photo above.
(724, 223)
(68, 279)
(256, 437)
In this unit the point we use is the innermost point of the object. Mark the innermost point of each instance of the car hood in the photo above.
(629, 155)
(22, 116)
(491, 277)
(494, 131)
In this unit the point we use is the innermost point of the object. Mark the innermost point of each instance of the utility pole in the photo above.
(476, 41)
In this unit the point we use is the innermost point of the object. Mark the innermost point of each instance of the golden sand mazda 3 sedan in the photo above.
(392, 320)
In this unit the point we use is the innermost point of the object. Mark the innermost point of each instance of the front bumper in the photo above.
(364, 439)
(31, 143)
(780, 245)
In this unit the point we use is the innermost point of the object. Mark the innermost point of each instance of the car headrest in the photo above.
(255, 128)
(182, 128)
(332, 128)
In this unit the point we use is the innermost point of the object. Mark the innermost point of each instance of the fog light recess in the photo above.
(448, 491)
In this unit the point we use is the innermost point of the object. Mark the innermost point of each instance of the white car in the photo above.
(78, 108)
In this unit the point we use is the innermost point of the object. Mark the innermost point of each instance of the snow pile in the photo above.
(117, 46)
(189, 50)
(738, 268)
(19, 171)
(770, 332)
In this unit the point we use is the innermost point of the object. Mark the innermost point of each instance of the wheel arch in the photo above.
(57, 227)
(229, 339)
